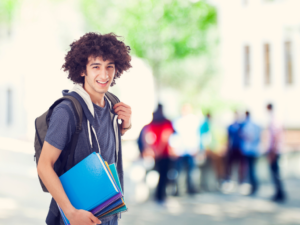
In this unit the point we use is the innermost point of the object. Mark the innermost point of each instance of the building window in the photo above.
(288, 62)
(267, 64)
(9, 107)
(247, 64)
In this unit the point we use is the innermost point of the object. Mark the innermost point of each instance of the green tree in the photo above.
(168, 34)
(7, 10)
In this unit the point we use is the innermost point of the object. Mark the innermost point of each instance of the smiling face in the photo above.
(98, 77)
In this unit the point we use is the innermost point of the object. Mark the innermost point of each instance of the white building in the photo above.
(260, 50)
(31, 77)
(30, 62)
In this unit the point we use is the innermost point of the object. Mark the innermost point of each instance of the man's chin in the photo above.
(102, 91)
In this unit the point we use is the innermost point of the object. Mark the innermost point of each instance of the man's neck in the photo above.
(97, 98)
(98, 101)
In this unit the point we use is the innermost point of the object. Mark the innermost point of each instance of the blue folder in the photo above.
(124, 208)
(89, 184)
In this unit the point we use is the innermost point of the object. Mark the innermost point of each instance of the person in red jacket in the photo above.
(156, 138)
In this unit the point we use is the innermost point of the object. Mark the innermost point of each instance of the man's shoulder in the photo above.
(64, 109)
(64, 105)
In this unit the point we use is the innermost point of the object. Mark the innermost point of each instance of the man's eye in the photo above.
(96, 67)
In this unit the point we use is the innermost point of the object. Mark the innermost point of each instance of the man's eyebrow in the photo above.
(96, 64)
(93, 64)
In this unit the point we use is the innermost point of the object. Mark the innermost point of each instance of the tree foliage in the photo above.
(165, 33)
(7, 8)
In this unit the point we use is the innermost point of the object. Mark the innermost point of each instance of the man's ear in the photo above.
(83, 74)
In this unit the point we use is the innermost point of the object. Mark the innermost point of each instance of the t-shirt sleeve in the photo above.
(61, 127)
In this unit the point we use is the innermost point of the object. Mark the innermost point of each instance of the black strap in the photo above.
(114, 99)
(70, 151)
(68, 157)
(72, 148)
(76, 107)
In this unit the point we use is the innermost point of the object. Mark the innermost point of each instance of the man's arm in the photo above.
(49, 177)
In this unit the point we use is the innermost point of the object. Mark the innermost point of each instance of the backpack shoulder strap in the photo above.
(75, 105)
(70, 151)
(114, 99)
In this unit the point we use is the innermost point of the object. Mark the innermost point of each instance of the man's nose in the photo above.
(103, 73)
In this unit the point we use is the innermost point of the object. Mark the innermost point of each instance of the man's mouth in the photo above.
(101, 82)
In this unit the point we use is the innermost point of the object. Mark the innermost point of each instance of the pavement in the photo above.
(23, 202)
(217, 208)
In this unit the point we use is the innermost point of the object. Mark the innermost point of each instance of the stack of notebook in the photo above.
(94, 186)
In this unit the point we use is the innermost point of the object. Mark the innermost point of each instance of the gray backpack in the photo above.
(41, 128)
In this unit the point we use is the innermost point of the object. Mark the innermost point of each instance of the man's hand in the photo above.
(82, 217)
(47, 159)
(124, 113)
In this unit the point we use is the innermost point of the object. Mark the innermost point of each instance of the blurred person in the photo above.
(234, 155)
(93, 63)
(250, 134)
(156, 143)
(141, 141)
(275, 132)
(185, 144)
(209, 144)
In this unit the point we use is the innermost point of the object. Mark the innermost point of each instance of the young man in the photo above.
(93, 64)
(250, 134)
(234, 153)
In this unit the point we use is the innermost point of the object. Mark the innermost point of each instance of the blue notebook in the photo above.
(124, 208)
(89, 184)
(110, 209)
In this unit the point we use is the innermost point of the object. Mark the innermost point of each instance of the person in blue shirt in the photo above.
(250, 140)
(234, 154)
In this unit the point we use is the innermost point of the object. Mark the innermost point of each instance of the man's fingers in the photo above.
(95, 219)
(123, 114)
(122, 108)
(123, 117)
(121, 104)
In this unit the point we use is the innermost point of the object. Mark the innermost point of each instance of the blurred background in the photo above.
(207, 68)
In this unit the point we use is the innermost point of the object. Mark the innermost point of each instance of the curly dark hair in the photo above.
(92, 44)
